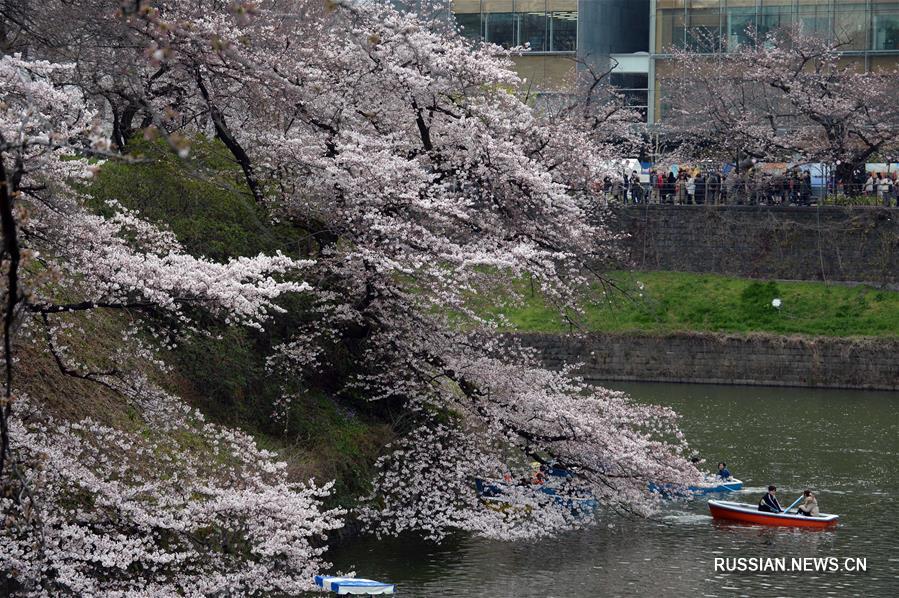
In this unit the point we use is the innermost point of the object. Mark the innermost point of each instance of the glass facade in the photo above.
(867, 29)
(545, 25)
(864, 26)
(634, 36)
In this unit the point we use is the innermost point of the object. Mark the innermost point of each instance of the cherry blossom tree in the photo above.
(87, 508)
(785, 95)
(424, 178)
(418, 174)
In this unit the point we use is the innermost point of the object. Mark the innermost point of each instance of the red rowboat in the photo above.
(735, 511)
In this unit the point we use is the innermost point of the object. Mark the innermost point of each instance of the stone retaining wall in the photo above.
(726, 359)
(859, 244)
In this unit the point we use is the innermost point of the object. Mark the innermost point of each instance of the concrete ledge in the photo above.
(867, 363)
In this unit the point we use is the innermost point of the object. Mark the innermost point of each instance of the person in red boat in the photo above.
(809, 506)
(768, 503)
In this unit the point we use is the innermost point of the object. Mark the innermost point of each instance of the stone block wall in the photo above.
(858, 244)
(725, 359)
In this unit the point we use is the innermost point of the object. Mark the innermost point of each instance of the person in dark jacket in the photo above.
(805, 188)
(636, 188)
(769, 503)
(699, 194)
(670, 184)
(714, 187)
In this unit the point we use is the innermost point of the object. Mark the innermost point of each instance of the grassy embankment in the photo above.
(223, 374)
(666, 302)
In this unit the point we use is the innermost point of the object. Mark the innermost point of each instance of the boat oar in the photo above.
(794, 504)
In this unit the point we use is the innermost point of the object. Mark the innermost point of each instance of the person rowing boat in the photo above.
(768, 503)
(723, 471)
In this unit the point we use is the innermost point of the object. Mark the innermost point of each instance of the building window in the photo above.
(508, 24)
(533, 30)
(563, 31)
(886, 27)
(774, 17)
(670, 28)
(816, 18)
(740, 22)
(500, 28)
(470, 25)
(850, 25)
(635, 89)
(703, 26)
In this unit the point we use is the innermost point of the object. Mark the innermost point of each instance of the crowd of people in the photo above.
(694, 186)
(884, 185)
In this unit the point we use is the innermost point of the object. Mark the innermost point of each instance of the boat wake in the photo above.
(685, 518)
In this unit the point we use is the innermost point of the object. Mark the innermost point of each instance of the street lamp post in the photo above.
(834, 174)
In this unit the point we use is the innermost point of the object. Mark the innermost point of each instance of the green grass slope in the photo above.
(663, 302)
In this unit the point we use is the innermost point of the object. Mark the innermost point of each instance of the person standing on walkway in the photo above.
(680, 188)
(700, 189)
(653, 186)
(886, 190)
(869, 185)
(714, 187)
(805, 188)
(733, 185)
(636, 187)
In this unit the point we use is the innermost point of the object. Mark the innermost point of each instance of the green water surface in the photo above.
(842, 444)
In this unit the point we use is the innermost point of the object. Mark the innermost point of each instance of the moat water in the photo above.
(842, 444)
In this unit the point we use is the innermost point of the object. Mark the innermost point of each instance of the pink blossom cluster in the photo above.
(175, 506)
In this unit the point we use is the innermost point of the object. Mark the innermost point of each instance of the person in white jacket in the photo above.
(869, 184)
(809, 506)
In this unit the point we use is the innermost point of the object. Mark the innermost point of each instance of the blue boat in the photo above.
(353, 585)
(717, 485)
(710, 485)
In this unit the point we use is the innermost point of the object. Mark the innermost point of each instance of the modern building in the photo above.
(635, 35)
